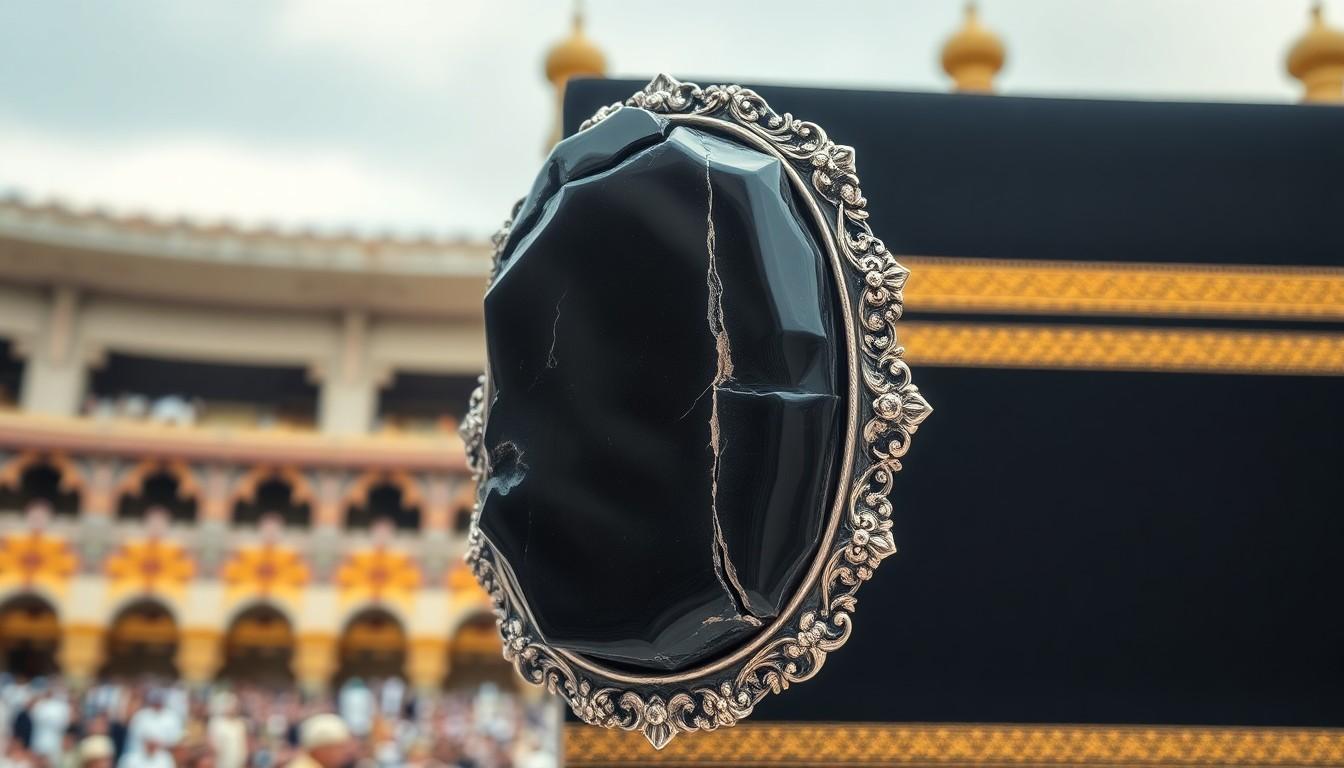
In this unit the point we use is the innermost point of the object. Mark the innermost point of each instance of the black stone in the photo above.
(665, 412)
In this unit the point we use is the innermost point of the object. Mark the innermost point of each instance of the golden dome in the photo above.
(573, 56)
(1317, 59)
(973, 55)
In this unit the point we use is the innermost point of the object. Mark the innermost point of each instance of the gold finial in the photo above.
(1317, 59)
(973, 55)
(574, 56)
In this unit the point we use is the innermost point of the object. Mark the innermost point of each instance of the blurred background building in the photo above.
(234, 452)
(230, 452)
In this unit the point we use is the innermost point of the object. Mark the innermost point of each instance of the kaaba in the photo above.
(1118, 540)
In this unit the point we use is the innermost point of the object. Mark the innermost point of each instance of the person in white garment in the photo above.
(324, 742)
(227, 732)
(153, 755)
(51, 716)
(7, 710)
(151, 733)
(391, 696)
(356, 705)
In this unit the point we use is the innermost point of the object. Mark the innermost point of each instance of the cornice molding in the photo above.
(82, 437)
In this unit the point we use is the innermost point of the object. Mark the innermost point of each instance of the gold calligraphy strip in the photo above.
(873, 744)
(1108, 288)
(1111, 348)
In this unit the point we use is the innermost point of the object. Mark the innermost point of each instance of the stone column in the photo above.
(349, 396)
(315, 660)
(427, 663)
(439, 496)
(328, 488)
(436, 524)
(98, 499)
(98, 508)
(82, 653)
(325, 548)
(214, 513)
(200, 655)
(216, 482)
(54, 374)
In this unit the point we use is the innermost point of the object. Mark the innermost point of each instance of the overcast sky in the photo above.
(416, 116)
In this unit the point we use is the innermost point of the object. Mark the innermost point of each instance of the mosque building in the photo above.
(232, 453)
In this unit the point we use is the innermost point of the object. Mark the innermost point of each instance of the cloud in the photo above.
(432, 113)
(212, 178)
(423, 42)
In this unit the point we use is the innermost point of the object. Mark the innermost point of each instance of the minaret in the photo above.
(1317, 59)
(973, 55)
(574, 56)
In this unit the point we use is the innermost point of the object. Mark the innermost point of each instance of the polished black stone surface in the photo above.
(666, 371)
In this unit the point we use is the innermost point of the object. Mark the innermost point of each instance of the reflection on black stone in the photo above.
(506, 468)
(665, 364)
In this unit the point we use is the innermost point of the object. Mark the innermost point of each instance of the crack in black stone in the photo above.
(551, 360)
(723, 373)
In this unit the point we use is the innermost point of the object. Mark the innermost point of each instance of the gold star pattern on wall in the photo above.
(36, 559)
(150, 565)
(377, 574)
(462, 585)
(265, 570)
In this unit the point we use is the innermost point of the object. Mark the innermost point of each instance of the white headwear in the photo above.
(223, 703)
(322, 731)
(95, 748)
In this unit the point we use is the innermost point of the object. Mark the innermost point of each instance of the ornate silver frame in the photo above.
(885, 410)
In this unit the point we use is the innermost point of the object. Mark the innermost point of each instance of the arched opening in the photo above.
(274, 495)
(11, 376)
(384, 500)
(161, 488)
(142, 642)
(475, 656)
(373, 646)
(462, 520)
(29, 636)
(39, 481)
(258, 648)
(424, 402)
(209, 394)
(464, 502)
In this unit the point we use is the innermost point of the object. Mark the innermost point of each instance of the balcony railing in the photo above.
(212, 474)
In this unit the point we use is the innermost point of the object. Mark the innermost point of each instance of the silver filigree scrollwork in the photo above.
(894, 409)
